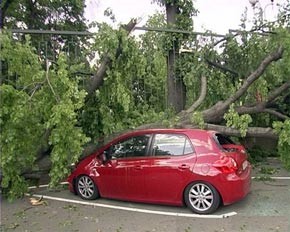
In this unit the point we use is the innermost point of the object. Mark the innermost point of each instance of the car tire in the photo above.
(201, 198)
(86, 188)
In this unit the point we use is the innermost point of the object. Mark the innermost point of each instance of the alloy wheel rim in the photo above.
(201, 197)
(86, 187)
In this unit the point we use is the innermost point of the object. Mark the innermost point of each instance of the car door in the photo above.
(112, 175)
(171, 167)
(123, 176)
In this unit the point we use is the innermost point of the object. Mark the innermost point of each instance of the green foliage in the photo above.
(34, 101)
(66, 138)
(169, 119)
(45, 14)
(258, 154)
(197, 119)
(283, 131)
(268, 170)
(20, 134)
(185, 9)
(240, 122)
(133, 92)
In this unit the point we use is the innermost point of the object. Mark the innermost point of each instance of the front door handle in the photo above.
(183, 167)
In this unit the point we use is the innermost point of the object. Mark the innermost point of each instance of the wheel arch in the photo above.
(75, 179)
(205, 182)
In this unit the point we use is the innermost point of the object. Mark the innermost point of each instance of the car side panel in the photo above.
(111, 179)
(168, 177)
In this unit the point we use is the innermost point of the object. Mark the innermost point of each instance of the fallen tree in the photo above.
(211, 116)
(48, 119)
(215, 114)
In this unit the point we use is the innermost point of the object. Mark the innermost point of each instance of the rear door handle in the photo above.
(138, 167)
(183, 167)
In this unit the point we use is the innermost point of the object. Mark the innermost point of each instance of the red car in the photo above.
(200, 168)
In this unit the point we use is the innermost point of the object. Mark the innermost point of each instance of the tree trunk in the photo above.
(175, 86)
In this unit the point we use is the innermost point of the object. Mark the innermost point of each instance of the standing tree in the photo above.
(178, 16)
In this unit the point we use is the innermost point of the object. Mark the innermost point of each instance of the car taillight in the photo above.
(226, 164)
(243, 151)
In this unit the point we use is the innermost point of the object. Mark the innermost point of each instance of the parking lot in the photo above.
(266, 208)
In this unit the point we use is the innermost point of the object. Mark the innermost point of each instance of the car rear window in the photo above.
(222, 139)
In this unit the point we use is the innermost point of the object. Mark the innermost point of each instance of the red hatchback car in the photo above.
(200, 168)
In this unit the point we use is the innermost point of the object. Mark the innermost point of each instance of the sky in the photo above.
(216, 15)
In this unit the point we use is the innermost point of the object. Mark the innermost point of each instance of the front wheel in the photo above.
(86, 188)
(201, 198)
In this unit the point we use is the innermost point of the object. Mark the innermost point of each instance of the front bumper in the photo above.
(70, 181)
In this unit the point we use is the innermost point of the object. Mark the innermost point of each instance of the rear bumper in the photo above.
(235, 187)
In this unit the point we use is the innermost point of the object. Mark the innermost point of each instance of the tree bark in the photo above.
(175, 86)
(260, 132)
(261, 107)
(202, 96)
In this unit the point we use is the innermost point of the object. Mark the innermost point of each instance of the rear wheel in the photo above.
(201, 198)
(86, 188)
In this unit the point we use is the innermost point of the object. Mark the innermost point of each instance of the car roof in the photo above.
(120, 136)
(164, 130)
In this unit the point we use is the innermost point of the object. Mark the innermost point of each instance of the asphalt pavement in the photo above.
(266, 208)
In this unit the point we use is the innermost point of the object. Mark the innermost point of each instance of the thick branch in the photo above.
(276, 55)
(251, 132)
(262, 106)
(222, 67)
(216, 112)
(98, 78)
(277, 92)
(276, 113)
(202, 96)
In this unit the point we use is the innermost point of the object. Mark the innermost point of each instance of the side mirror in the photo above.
(105, 157)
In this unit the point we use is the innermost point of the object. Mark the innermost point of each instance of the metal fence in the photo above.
(49, 44)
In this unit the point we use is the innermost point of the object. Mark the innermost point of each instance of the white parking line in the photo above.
(253, 177)
(190, 215)
(45, 185)
(274, 177)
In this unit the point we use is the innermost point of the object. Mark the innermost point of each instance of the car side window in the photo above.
(132, 147)
(171, 144)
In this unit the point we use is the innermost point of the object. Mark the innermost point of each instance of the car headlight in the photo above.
(73, 166)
